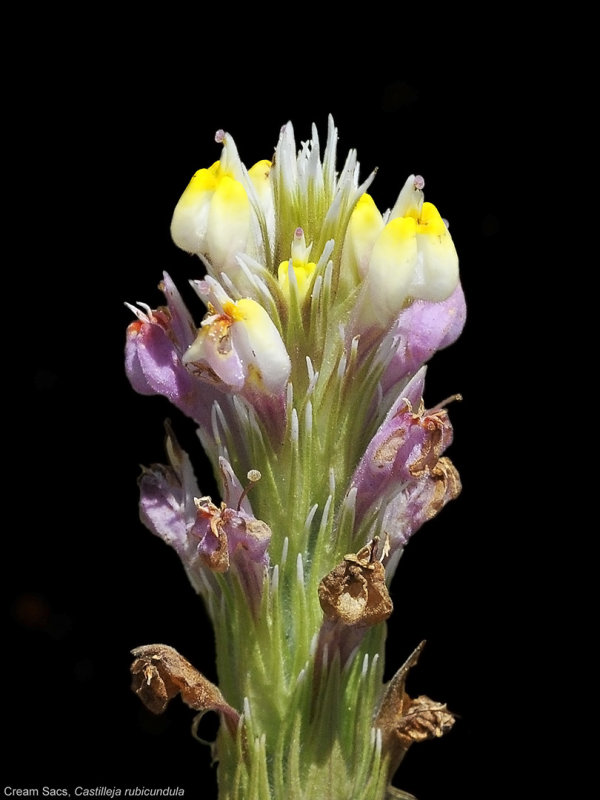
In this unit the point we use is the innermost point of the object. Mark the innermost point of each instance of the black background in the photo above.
(107, 133)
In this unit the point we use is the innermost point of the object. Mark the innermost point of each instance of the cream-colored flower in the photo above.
(238, 345)
(217, 215)
(412, 257)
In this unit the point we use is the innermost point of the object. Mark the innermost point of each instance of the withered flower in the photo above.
(160, 673)
(403, 720)
(355, 592)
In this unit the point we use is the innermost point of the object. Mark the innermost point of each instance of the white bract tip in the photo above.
(275, 579)
(300, 569)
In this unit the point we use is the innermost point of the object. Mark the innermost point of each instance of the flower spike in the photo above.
(303, 370)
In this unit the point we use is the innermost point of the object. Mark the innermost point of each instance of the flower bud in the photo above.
(298, 268)
(365, 225)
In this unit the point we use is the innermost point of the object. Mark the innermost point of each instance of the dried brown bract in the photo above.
(355, 591)
(160, 673)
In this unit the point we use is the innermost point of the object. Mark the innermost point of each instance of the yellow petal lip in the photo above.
(230, 193)
(260, 170)
(204, 180)
(365, 205)
(400, 229)
(430, 221)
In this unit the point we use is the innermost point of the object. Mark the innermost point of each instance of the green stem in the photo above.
(307, 728)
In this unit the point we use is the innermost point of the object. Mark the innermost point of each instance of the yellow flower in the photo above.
(412, 258)
(214, 216)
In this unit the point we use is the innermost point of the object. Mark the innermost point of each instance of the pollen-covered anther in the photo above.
(355, 592)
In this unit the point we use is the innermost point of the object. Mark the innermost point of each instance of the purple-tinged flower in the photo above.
(238, 350)
(167, 501)
(154, 348)
(420, 331)
(407, 445)
(203, 534)
(238, 345)
(419, 501)
(229, 536)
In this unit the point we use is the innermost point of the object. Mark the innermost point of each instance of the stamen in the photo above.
(253, 476)
(444, 403)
